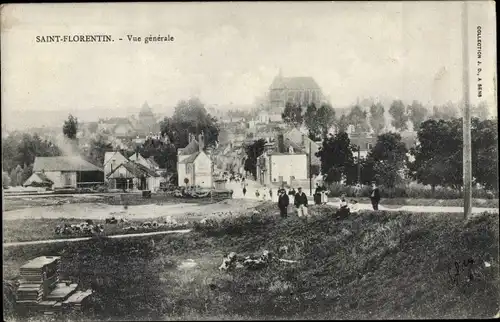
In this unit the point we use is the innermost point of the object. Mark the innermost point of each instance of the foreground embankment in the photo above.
(370, 265)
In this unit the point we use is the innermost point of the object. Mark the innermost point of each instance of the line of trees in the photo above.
(319, 119)
(436, 160)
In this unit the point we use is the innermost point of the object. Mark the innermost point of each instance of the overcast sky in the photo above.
(230, 52)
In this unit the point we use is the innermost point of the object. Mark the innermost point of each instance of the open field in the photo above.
(383, 265)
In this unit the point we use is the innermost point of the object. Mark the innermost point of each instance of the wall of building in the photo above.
(287, 165)
(59, 178)
(153, 183)
(203, 171)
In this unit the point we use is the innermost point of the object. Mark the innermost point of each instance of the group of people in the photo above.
(301, 201)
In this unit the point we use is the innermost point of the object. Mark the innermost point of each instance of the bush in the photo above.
(413, 190)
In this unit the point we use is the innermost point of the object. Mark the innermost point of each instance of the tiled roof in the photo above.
(63, 164)
(191, 148)
(136, 169)
(294, 83)
(191, 158)
(153, 162)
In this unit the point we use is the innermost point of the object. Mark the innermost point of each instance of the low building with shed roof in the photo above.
(65, 172)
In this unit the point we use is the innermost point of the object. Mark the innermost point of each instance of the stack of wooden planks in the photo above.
(38, 278)
(40, 291)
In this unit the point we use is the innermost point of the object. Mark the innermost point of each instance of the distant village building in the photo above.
(120, 127)
(147, 122)
(65, 172)
(136, 173)
(305, 143)
(283, 161)
(194, 164)
(299, 90)
(133, 176)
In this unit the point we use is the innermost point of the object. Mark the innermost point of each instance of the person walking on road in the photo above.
(375, 196)
(244, 191)
(301, 203)
(283, 202)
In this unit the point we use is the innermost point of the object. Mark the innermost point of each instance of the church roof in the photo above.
(146, 110)
(294, 83)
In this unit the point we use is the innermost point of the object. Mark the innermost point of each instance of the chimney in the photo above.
(281, 143)
(201, 142)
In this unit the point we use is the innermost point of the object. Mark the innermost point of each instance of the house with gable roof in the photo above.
(65, 172)
(194, 166)
(283, 161)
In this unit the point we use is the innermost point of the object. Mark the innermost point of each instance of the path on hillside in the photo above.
(253, 186)
(70, 240)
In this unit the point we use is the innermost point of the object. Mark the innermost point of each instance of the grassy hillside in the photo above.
(372, 265)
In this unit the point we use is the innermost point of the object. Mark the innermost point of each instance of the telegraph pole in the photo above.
(359, 164)
(467, 157)
(310, 170)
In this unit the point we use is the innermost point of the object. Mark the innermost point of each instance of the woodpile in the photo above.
(41, 291)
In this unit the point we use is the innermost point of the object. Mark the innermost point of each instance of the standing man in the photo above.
(301, 203)
(244, 191)
(375, 195)
(283, 202)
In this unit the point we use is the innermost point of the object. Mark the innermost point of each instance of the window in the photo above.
(368, 146)
(189, 168)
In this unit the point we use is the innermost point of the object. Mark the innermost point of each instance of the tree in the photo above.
(98, 147)
(22, 148)
(292, 114)
(342, 124)
(337, 161)
(253, 151)
(484, 136)
(480, 111)
(190, 117)
(5, 180)
(164, 153)
(310, 121)
(438, 155)
(388, 158)
(417, 114)
(186, 181)
(399, 116)
(16, 176)
(357, 117)
(70, 127)
(377, 119)
(445, 112)
(325, 118)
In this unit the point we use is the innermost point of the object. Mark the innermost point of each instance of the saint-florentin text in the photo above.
(74, 38)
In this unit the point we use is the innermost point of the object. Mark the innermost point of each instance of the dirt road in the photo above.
(69, 240)
(99, 211)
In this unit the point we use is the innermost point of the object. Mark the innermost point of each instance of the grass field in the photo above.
(371, 265)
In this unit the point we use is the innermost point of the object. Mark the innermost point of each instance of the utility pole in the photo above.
(310, 170)
(359, 164)
(467, 157)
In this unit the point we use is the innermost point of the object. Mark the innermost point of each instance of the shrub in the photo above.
(408, 191)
